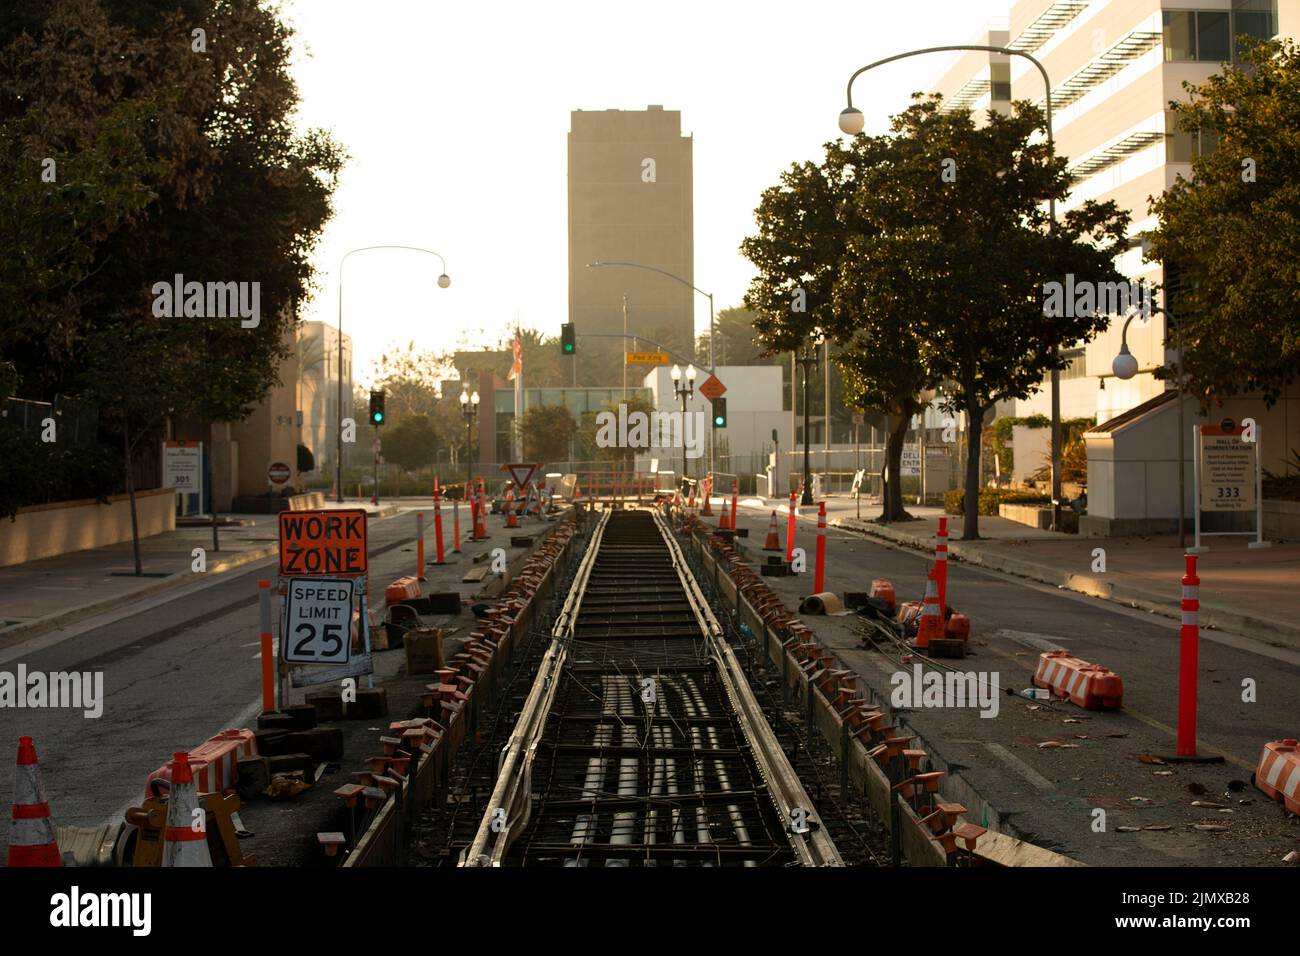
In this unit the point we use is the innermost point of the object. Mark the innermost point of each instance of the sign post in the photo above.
(324, 565)
(183, 470)
(1227, 479)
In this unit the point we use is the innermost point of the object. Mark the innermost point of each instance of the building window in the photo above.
(1183, 146)
(1078, 365)
(1210, 35)
(1000, 82)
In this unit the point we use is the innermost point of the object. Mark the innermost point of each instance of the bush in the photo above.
(954, 502)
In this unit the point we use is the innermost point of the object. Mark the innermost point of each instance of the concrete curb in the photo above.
(1212, 616)
(72, 615)
(50, 622)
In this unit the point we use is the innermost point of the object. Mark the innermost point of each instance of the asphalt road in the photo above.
(1052, 793)
(176, 669)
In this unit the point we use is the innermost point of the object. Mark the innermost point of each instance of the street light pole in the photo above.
(708, 295)
(469, 408)
(852, 122)
(808, 361)
(444, 280)
(683, 392)
(1125, 366)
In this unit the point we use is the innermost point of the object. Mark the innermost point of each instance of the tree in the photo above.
(735, 342)
(412, 443)
(173, 161)
(972, 255)
(547, 432)
(811, 236)
(1230, 233)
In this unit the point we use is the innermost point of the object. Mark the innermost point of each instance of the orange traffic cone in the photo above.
(183, 845)
(512, 519)
(705, 510)
(931, 626)
(31, 838)
(773, 542)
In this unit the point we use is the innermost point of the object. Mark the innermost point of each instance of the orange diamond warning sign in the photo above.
(712, 388)
(323, 542)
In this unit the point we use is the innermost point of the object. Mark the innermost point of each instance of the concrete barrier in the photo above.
(61, 527)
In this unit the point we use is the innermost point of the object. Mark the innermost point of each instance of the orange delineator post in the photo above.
(419, 545)
(268, 652)
(789, 532)
(941, 564)
(819, 574)
(735, 490)
(455, 510)
(1188, 649)
(440, 557)
(706, 511)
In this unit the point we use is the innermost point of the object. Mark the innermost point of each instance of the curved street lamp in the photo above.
(708, 295)
(444, 280)
(851, 121)
(469, 408)
(1125, 366)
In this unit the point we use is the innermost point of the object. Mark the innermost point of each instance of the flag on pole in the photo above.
(517, 368)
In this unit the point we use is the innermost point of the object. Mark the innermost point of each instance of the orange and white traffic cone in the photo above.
(773, 542)
(512, 519)
(931, 626)
(31, 837)
(705, 510)
(183, 843)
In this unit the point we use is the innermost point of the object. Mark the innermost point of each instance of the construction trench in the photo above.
(654, 715)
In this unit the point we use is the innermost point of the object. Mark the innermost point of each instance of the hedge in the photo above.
(954, 502)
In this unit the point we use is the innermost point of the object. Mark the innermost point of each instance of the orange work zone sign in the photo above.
(323, 542)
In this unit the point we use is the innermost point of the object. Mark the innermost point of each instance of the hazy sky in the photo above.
(456, 115)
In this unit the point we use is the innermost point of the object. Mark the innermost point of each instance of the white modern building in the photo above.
(1114, 67)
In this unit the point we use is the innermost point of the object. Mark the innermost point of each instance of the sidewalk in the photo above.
(1255, 593)
(54, 592)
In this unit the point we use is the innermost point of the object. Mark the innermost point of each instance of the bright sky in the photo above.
(456, 114)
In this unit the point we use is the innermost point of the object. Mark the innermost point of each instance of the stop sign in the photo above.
(279, 473)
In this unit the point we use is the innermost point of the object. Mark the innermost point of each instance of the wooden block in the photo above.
(424, 651)
(254, 776)
(302, 715)
(275, 721)
(320, 743)
(522, 541)
(371, 702)
(287, 763)
(328, 704)
(476, 575)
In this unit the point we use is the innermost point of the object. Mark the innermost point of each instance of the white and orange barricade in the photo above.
(1090, 686)
(213, 764)
(1278, 774)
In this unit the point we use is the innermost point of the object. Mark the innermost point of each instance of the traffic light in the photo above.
(719, 413)
(377, 408)
(568, 342)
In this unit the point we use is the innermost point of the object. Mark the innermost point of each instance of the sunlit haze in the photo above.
(455, 118)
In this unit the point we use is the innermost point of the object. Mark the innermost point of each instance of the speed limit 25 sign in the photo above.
(318, 621)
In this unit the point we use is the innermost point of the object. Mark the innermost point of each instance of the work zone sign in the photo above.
(323, 542)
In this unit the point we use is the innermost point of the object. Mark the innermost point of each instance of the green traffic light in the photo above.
(719, 420)
(568, 348)
(379, 417)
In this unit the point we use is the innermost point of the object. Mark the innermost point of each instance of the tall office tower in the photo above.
(630, 200)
